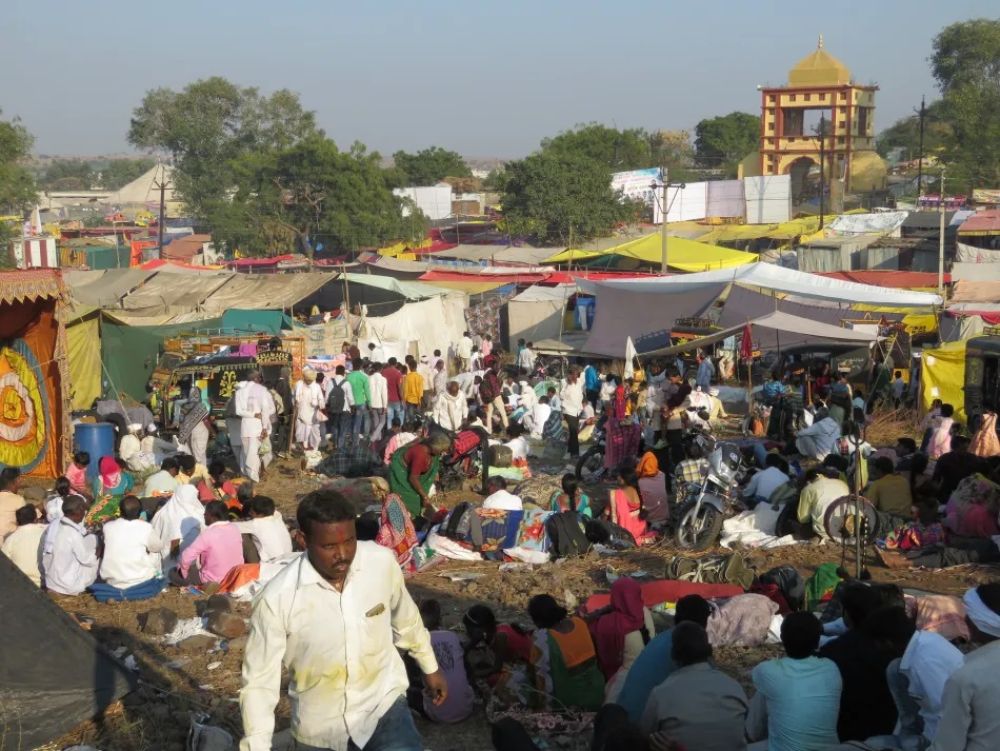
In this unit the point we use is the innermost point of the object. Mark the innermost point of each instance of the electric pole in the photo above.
(822, 169)
(162, 185)
(663, 224)
(941, 238)
(920, 156)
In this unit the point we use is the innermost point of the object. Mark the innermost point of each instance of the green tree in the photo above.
(722, 142)
(966, 63)
(428, 167)
(905, 133)
(119, 172)
(619, 150)
(561, 197)
(211, 124)
(17, 187)
(67, 174)
(312, 192)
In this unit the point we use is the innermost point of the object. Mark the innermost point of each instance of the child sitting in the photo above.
(450, 657)
(923, 531)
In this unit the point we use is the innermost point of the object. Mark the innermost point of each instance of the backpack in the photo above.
(789, 582)
(501, 456)
(279, 403)
(464, 526)
(603, 532)
(566, 535)
(337, 399)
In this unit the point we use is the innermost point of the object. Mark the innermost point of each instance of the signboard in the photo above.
(637, 185)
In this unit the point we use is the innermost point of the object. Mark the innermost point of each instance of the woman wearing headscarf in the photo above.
(623, 432)
(178, 523)
(626, 508)
(309, 403)
(563, 662)
(110, 486)
(195, 426)
(653, 488)
(620, 632)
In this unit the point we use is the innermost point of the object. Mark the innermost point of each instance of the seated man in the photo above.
(10, 499)
(191, 472)
(23, 545)
(906, 448)
(766, 481)
(697, 706)
(218, 548)
(820, 438)
(534, 420)
(970, 710)
(267, 529)
(798, 696)
(131, 453)
(215, 487)
(889, 492)
(131, 549)
(655, 662)
(866, 705)
(70, 556)
(689, 471)
(451, 409)
(162, 484)
(924, 661)
(822, 487)
(497, 496)
(451, 658)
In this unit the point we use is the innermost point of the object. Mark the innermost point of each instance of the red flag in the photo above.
(746, 345)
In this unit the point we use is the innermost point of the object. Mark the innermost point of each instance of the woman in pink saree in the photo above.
(626, 507)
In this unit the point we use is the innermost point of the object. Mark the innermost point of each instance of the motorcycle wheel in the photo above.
(697, 530)
(590, 468)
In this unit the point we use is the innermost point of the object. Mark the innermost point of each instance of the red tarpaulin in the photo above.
(893, 279)
(506, 278)
(434, 247)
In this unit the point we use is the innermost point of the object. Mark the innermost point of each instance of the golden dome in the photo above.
(819, 69)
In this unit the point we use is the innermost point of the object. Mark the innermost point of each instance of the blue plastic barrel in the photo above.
(97, 439)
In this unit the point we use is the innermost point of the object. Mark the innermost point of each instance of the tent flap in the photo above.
(83, 345)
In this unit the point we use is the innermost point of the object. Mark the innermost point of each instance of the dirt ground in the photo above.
(203, 675)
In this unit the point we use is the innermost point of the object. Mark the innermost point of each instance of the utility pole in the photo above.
(822, 169)
(663, 224)
(941, 238)
(920, 156)
(162, 185)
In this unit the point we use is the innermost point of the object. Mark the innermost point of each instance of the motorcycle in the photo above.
(700, 515)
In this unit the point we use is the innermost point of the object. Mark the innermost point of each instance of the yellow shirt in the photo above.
(413, 388)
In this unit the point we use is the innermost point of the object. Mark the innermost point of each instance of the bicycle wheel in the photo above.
(850, 516)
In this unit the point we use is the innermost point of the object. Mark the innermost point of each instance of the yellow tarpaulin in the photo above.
(398, 250)
(942, 373)
(83, 346)
(682, 254)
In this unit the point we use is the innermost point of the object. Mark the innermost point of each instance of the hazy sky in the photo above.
(483, 78)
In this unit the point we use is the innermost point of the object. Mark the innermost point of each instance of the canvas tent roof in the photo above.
(776, 278)
(104, 288)
(53, 674)
(537, 313)
(682, 254)
(777, 329)
(981, 223)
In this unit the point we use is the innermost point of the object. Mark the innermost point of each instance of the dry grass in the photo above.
(887, 425)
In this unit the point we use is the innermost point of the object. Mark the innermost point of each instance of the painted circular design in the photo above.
(23, 403)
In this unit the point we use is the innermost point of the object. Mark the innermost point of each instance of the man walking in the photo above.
(361, 392)
(255, 407)
(335, 617)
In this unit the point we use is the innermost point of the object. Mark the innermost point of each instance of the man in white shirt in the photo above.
(267, 528)
(970, 713)
(498, 498)
(451, 409)
(378, 400)
(766, 481)
(339, 407)
(309, 402)
(464, 351)
(335, 618)
(130, 548)
(256, 407)
(24, 545)
(526, 358)
(165, 482)
(535, 420)
(916, 680)
(440, 378)
(69, 555)
(571, 400)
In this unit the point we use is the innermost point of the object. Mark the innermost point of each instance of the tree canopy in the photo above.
(722, 142)
(17, 186)
(428, 166)
(211, 124)
(966, 63)
(622, 150)
(905, 133)
(310, 193)
(561, 197)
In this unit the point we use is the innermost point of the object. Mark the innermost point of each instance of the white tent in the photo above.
(771, 277)
(778, 329)
(145, 191)
(537, 313)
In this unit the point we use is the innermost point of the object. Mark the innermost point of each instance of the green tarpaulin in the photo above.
(266, 321)
(129, 353)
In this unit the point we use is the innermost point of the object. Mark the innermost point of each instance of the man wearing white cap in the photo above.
(970, 713)
(309, 400)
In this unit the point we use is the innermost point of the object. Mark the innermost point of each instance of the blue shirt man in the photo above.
(705, 373)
